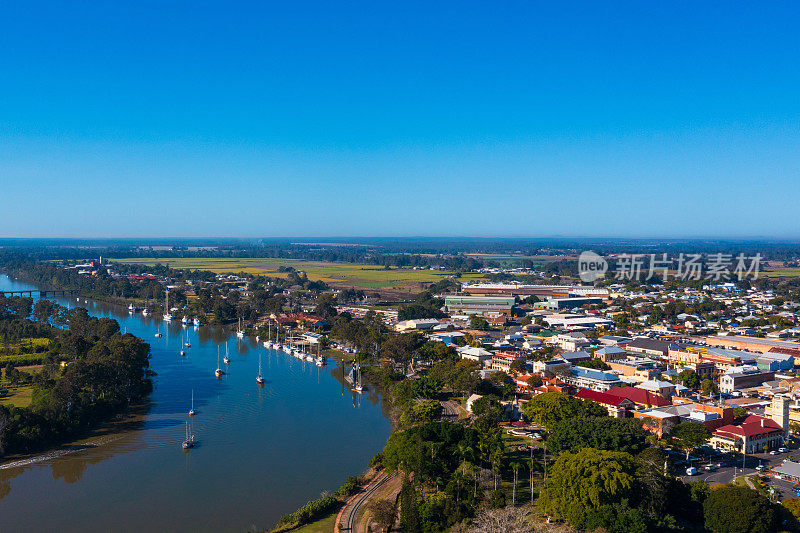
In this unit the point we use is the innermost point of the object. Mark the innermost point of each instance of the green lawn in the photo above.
(323, 525)
(17, 396)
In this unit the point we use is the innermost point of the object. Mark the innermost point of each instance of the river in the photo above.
(260, 453)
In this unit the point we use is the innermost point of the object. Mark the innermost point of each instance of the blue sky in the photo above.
(399, 118)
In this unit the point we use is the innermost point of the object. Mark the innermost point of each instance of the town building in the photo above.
(754, 435)
(479, 305)
(474, 354)
(743, 377)
(617, 406)
(648, 346)
(589, 378)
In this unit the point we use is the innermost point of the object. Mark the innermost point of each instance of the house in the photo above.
(474, 354)
(662, 388)
(610, 353)
(551, 367)
(554, 385)
(616, 406)
(572, 341)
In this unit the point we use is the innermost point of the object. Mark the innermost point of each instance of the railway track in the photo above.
(350, 514)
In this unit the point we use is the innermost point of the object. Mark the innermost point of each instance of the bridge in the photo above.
(41, 292)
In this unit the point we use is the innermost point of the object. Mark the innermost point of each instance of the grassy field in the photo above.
(17, 396)
(323, 525)
(335, 274)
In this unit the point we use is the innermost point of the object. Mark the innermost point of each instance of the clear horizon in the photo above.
(454, 119)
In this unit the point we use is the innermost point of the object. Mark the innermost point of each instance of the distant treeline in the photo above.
(105, 371)
(450, 253)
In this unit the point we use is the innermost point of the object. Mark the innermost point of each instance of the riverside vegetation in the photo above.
(89, 372)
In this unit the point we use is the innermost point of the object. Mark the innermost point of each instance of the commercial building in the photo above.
(743, 377)
(588, 378)
(556, 304)
(788, 470)
(577, 321)
(504, 360)
(479, 305)
(648, 346)
(753, 435)
(523, 290)
(643, 399)
(636, 368)
(416, 324)
(617, 406)
(755, 344)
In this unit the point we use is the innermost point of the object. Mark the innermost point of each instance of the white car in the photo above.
(774, 452)
(760, 467)
(783, 450)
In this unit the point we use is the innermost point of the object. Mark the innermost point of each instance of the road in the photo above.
(350, 513)
(732, 467)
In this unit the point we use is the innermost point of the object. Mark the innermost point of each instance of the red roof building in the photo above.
(755, 434)
(641, 397)
(617, 406)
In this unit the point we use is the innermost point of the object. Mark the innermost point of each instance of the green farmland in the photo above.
(336, 274)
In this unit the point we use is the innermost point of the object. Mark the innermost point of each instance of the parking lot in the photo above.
(731, 467)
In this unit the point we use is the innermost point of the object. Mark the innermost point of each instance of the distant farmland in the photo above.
(336, 274)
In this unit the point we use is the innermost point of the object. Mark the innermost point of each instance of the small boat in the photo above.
(218, 372)
(259, 377)
(183, 353)
(158, 334)
(196, 321)
(185, 320)
(131, 308)
(189, 442)
(145, 312)
(191, 411)
(240, 331)
(226, 359)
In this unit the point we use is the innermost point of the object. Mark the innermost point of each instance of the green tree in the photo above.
(602, 433)
(689, 435)
(535, 381)
(583, 482)
(689, 379)
(476, 322)
(735, 509)
(552, 407)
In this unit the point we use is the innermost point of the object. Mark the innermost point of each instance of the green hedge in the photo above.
(306, 513)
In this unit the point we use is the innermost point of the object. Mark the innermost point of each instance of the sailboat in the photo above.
(218, 372)
(320, 357)
(268, 342)
(187, 343)
(167, 316)
(358, 386)
(189, 442)
(196, 321)
(226, 359)
(131, 308)
(191, 411)
(158, 333)
(259, 378)
(240, 331)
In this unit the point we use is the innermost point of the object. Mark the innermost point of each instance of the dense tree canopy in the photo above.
(552, 407)
(734, 509)
(602, 433)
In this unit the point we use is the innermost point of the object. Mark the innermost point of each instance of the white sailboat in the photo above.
(320, 357)
(167, 315)
(226, 359)
(218, 372)
(196, 321)
(189, 441)
(240, 331)
(191, 411)
(259, 378)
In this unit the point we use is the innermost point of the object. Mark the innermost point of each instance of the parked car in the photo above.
(783, 450)
(691, 471)
(711, 468)
(760, 467)
(774, 452)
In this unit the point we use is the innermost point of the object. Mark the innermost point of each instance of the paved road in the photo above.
(350, 514)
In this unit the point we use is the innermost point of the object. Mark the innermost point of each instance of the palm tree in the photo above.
(515, 467)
